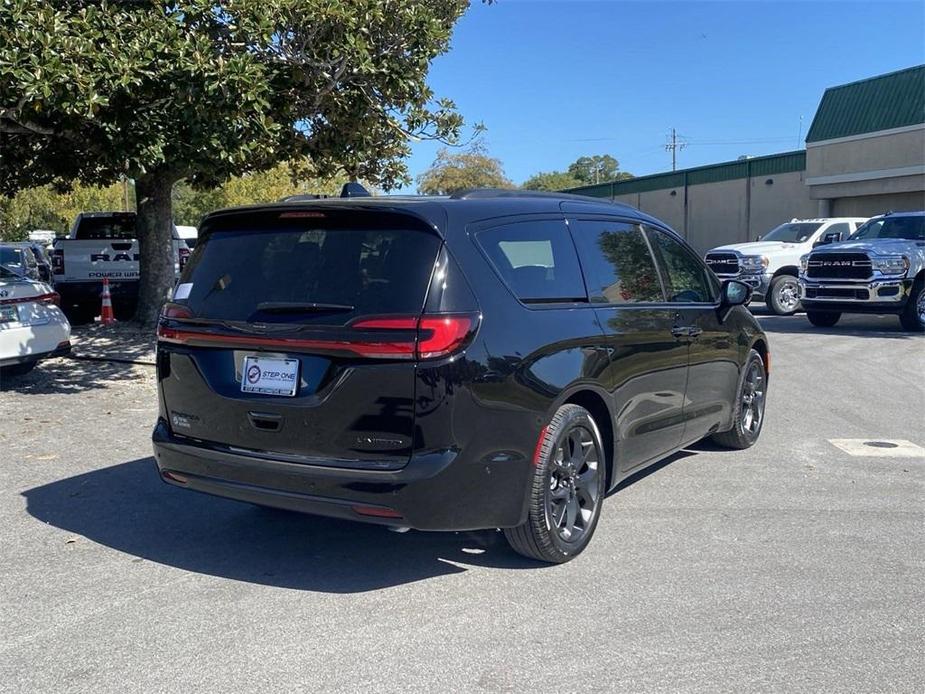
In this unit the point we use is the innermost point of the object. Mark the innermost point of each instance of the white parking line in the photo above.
(879, 448)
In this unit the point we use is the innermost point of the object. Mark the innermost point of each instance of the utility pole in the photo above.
(673, 146)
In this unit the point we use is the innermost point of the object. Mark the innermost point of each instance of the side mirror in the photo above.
(834, 237)
(735, 293)
(758, 238)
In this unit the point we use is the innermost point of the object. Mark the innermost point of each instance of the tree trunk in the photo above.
(155, 242)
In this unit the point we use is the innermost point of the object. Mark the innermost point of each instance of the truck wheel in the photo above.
(913, 315)
(749, 406)
(823, 319)
(567, 490)
(784, 295)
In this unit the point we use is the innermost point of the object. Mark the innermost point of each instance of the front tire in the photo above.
(822, 319)
(749, 406)
(913, 315)
(784, 295)
(567, 490)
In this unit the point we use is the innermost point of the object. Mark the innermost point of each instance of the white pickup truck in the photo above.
(771, 265)
(102, 244)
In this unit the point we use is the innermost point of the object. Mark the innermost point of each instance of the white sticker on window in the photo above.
(182, 291)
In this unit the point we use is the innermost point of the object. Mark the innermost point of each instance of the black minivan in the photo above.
(493, 359)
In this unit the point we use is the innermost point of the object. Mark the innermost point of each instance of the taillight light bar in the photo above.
(57, 261)
(49, 298)
(183, 255)
(403, 337)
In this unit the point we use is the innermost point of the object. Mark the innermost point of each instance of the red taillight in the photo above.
(184, 256)
(376, 511)
(377, 338)
(50, 298)
(57, 261)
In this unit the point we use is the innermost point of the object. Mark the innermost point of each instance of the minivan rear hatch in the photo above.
(294, 335)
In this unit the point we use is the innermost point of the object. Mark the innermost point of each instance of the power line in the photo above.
(673, 146)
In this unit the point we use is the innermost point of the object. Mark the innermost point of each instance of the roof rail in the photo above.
(486, 193)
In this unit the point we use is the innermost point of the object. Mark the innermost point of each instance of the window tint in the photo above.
(791, 232)
(842, 228)
(536, 259)
(116, 227)
(618, 264)
(686, 276)
(908, 228)
(358, 271)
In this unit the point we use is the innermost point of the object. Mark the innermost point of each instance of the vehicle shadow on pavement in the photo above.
(127, 507)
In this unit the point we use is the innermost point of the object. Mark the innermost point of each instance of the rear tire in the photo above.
(783, 295)
(913, 315)
(823, 319)
(749, 406)
(567, 490)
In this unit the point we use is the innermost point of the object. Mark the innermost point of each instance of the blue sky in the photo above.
(556, 80)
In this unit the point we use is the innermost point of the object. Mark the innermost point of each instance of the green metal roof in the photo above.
(894, 100)
(724, 171)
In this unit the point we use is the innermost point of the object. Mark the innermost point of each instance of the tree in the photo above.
(190, 204)
(552, 180)
(453, 171)
(601, 168)
(46, 208)
(166, 90)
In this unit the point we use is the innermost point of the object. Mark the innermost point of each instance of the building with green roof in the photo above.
(865, 154)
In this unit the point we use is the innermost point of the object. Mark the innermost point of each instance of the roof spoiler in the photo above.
(350, 190)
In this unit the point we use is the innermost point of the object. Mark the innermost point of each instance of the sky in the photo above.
(556, 80)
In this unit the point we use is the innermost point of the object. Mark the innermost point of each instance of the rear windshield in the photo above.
(12, 259)
(308, 274)
(792, 232)
(908, 228)
(120, 227)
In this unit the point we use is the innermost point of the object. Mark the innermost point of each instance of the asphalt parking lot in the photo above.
(790, 566)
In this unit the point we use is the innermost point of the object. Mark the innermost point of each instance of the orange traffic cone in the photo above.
(106, 314)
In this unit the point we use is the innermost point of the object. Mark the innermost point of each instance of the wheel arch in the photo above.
(791, 270)
(596, 404)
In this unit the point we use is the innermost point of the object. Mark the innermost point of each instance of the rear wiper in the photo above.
(301, 307)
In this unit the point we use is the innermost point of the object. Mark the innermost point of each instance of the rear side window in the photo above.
(306, 273)
(618, 263)
(121, 227)
(536, 259)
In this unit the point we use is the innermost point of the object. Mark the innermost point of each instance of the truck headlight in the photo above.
(753, 263)
(890, 264)
(804, 259)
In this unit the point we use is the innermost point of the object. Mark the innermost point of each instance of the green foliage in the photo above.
(90, 91)
(45, 208)
(168, 90)
(453, 171)
(191, 204)
(551, 180)
(599, 168)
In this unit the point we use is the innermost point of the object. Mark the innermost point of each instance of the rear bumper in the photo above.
(91, 292)
(60, 351)
(435, 491)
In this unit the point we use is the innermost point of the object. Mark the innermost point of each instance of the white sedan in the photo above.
(32, 327)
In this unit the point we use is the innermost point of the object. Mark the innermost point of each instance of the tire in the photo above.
(749, 406)
(823, 319)
(570, 488)
(18, 369)
(913, 315)
(783, 296)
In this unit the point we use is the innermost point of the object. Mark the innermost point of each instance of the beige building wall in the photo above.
(870, 205)
(777, 202)
(662, 205)
(716, 214)
(896, 149)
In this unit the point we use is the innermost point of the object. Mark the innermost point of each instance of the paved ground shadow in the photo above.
(128, 508)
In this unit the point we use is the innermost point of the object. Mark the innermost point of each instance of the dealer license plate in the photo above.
(270, 376)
